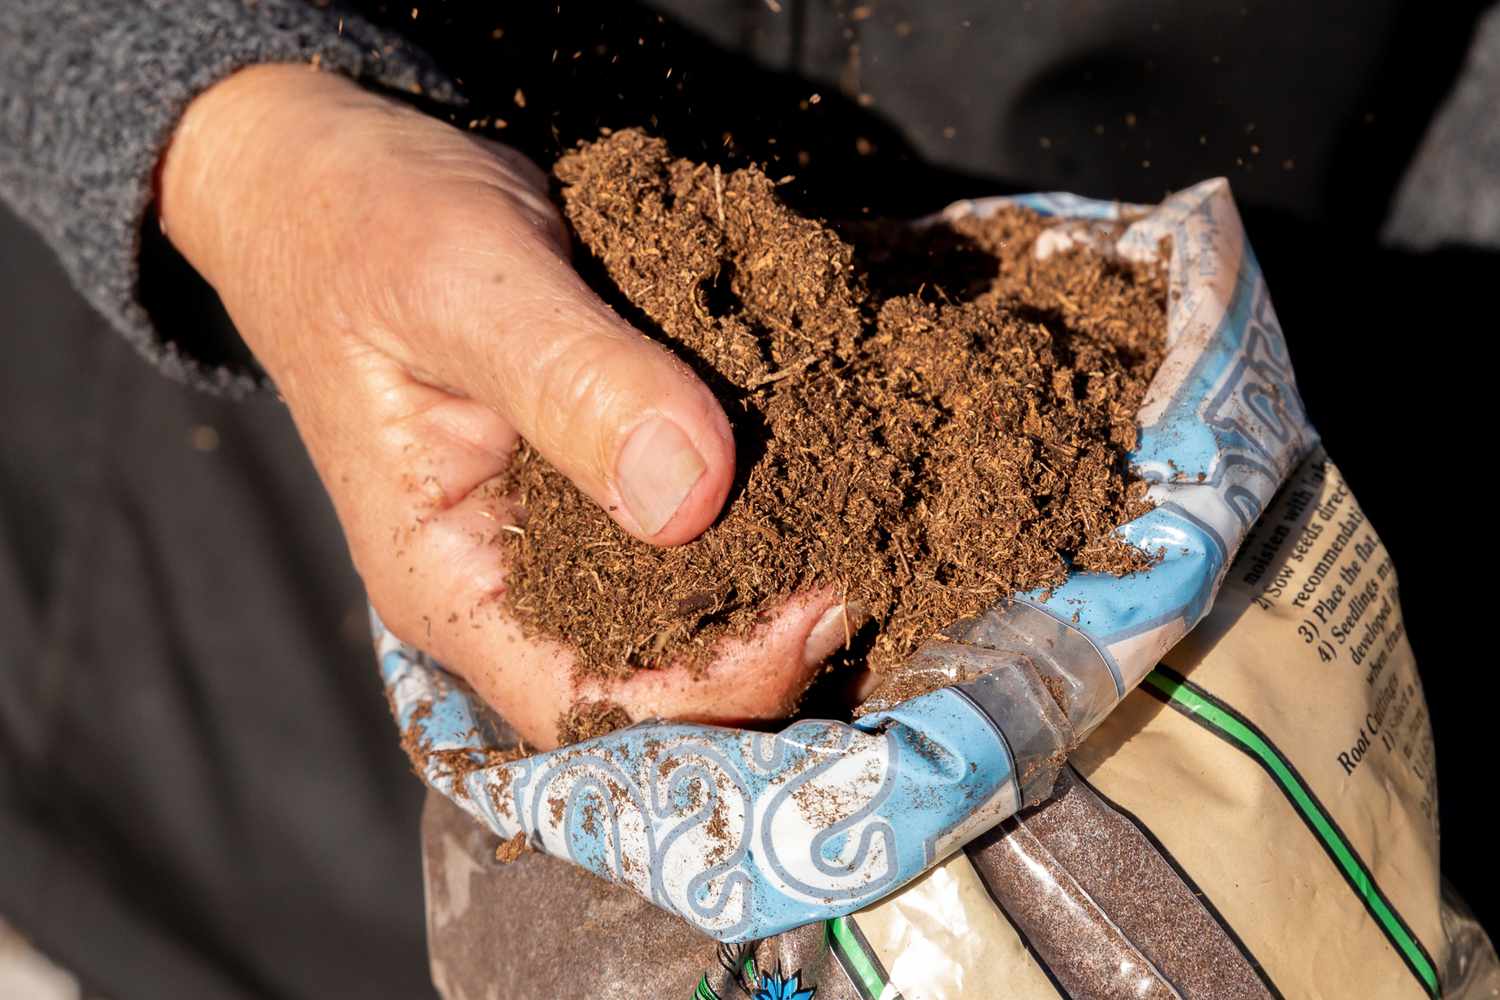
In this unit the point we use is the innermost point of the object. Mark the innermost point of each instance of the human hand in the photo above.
(408, 288)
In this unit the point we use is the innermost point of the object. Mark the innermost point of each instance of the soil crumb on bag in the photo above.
(927, 422)
(452, 764)
(507, 851)
(586, 719)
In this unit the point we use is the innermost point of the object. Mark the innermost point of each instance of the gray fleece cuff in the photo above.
(90, 92)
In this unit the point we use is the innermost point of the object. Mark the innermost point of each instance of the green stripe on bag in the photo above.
(1223, 721)
(858, 959)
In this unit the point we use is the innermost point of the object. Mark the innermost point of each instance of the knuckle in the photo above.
(530, 214)
(584, 396)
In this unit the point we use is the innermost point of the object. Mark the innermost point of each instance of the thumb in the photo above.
(520, 332)
(444, 253)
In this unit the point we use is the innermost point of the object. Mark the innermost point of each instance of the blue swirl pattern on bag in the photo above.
(743, 834)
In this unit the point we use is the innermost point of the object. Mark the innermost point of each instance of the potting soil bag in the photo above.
(746, 834)
(1256, 819)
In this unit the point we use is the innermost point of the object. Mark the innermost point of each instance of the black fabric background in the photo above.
(201, 793)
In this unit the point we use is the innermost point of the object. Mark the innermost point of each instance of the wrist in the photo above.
(237, 159)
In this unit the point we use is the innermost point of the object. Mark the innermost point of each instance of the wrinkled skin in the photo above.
(408, 288)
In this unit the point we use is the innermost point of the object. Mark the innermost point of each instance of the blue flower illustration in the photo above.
(773, 987)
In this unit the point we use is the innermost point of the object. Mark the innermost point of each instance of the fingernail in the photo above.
(657, 470)
(833, 631)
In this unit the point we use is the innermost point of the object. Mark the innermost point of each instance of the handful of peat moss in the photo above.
(928, 420)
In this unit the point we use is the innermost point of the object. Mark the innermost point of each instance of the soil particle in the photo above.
(718, 830)
(414, 739)
(1056, 688)
(927, 421)
(455, 763)
(587, 719)
(509, 850)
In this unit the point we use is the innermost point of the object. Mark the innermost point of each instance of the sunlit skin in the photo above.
(408, 289)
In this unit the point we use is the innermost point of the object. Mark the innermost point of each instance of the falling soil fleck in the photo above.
(928, 419)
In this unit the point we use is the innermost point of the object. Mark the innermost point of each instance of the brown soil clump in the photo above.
(928, 421)
(587, 719)
(507, 851)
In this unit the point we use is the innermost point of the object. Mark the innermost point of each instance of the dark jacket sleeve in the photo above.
(90, 91)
